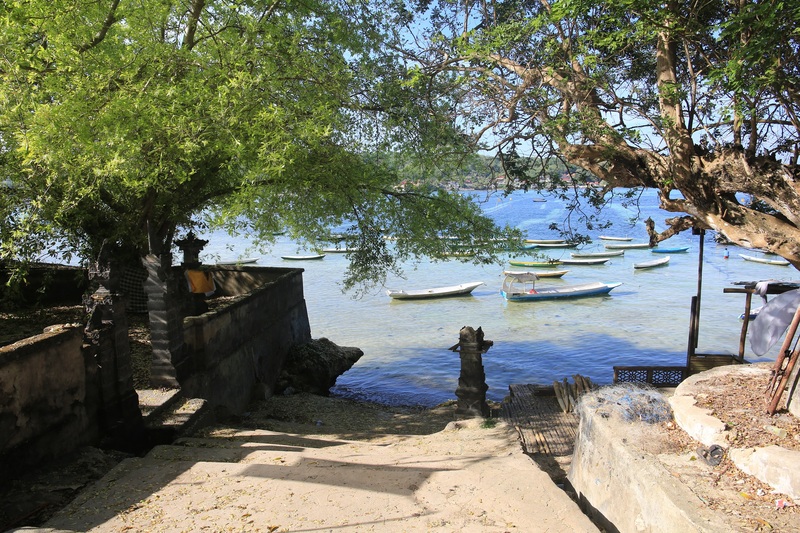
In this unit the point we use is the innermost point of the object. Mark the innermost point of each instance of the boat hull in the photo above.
(438, 292)
(302, 257)
(651, 264)
(592, 255)
(596, 261)
(678, 250)
(780, 262)
(239, 262)
(535, 264)
(545, 241)
(541, 274)
(555, 293)
(555, 245)
(626, 246)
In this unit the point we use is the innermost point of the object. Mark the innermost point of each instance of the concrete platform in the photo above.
(776, 466)
(633, 475)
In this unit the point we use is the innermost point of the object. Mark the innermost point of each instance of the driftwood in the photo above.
(568, 394)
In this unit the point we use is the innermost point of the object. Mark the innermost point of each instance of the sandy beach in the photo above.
(308, 463)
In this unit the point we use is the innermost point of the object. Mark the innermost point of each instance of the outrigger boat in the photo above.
(609, 238)
(302, 257)
(519, 287)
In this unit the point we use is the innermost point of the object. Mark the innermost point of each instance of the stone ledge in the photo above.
(773, 465)
(618, 475)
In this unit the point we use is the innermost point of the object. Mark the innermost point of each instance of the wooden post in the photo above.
(472, 387)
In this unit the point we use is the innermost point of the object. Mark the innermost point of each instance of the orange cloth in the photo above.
(200, 282)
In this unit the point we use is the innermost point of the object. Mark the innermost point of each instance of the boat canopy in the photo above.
(518, 281)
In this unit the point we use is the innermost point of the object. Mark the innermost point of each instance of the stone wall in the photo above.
(60, 390)
(236, 353)
(44, 387)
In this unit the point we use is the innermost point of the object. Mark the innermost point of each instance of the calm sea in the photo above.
(643, 322)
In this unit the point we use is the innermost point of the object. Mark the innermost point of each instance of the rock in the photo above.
(778, 432)
(314, 367)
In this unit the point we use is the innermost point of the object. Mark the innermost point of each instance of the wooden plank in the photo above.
(543, 427)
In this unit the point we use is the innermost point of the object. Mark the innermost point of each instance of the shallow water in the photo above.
(643, 322)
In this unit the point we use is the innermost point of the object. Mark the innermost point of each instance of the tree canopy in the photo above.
(123, 122)
(697, 100)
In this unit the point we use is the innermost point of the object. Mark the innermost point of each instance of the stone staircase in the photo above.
(168, 415)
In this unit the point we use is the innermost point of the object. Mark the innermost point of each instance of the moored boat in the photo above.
(556, 244)
(764, 260)
(535, 264)
(610, 238)
(674, 250)
(593, 261)
(589, 255)
(627, 246)
(519, 287)
(661, 261)
(438, 292)
(545, 241)
(302, 257)
(247, 261)
(339, 250)
(541, 274)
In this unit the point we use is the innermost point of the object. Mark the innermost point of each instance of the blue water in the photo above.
(643, 322)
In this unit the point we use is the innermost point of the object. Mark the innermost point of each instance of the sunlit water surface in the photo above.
(643, 322)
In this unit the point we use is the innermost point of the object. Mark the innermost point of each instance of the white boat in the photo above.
(302, 257)
(661, 261)
(595, 261)
(588, 255)
(610, 238)
(519, 287)
(438, 292)
(627, 246)
(556, 244)
(781, 262)
(238, 262)
(545, 241)
(543, 274)
(339, 250)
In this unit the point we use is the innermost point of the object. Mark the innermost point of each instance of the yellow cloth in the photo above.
(200, 282)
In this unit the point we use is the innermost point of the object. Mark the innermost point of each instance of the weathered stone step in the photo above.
(153, 402)
(183, 416)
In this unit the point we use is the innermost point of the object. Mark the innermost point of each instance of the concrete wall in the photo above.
(43, 397)
(622, 485)
(238, 351)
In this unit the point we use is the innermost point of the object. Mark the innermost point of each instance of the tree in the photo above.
(124, 122)
(697, 100)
